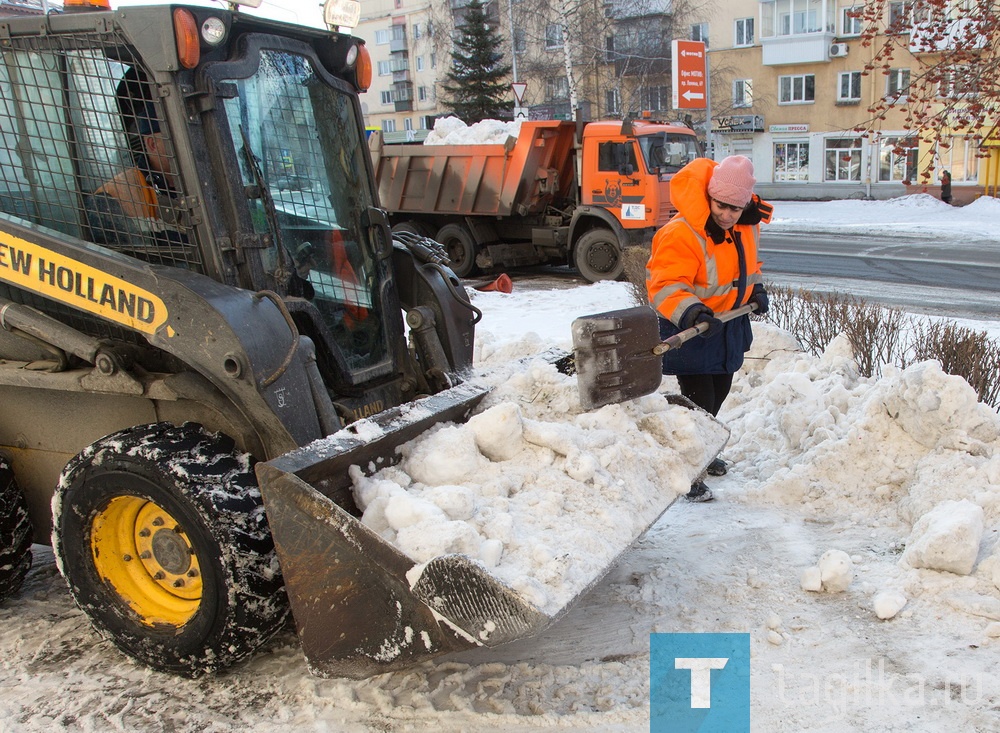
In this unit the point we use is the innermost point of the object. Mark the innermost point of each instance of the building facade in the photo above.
(790, 91)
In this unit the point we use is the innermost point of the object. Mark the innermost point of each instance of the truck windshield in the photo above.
(300, 151)
(668, 152)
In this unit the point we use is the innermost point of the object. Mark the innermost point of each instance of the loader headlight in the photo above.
(213, 31)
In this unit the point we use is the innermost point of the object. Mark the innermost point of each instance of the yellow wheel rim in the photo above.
(144, 554)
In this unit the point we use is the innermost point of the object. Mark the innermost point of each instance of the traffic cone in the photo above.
(502, 284)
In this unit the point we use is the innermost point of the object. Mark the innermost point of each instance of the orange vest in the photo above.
(686, 266)
(133, 192)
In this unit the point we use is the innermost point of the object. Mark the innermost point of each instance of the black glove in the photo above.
(698, 314)
(759, 296)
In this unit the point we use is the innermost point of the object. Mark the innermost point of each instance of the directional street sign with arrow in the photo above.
(689, 74)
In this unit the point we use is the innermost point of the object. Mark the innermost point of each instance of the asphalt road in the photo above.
(927, 275)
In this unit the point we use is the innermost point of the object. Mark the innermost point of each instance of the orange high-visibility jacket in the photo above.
(687, 266)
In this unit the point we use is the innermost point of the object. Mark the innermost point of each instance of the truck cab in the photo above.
(629, 174)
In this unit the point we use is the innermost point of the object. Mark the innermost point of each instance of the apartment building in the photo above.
(788, 91)
(406, 65)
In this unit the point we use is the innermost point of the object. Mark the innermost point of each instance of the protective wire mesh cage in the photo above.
(84, 148)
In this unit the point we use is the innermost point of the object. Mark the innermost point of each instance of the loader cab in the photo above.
(263, 183)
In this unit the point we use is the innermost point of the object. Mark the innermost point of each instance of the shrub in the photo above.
(886, 335)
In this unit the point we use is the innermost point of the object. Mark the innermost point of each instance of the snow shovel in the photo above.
(618, 353)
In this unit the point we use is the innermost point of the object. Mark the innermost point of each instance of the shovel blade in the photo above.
(614, 356)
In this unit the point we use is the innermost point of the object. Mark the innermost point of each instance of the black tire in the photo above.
(598, 256)
(461, 248)
(161, 534)
(414, 227)
(15, 534)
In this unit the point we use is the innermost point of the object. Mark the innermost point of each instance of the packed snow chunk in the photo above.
(940, 410)
(811, 579)
(445, 457)
(836, 571)
(499, 431)
(888, 604)
(946, 538)
(833, 574)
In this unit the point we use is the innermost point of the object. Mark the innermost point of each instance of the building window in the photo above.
(556, 88)
(654, 98)
(897, 84)
(384, 68)
(960, 158)
(613, 101)
(897, 159)
(797, 89)
(388, 125)
(899, 17)
(434, 60)
(386, 97)
(850, 24)
(609, 49)
(420, 63)
(417, 31)
(843, 159)
(849, 86)
(744, 32)
(520, 41)
(553, 36)
(699, 32)
(958, 82)
(382, 37)
(408, 124)
(791, 162)
(742, 92)
(421, 94)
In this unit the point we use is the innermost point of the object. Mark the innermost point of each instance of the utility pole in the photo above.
(513, 40)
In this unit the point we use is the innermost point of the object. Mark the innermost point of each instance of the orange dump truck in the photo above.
(548, 196)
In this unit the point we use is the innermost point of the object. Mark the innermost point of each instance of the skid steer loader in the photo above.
(199, 297)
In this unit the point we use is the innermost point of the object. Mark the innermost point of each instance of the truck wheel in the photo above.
(461, 248)
(598, 256)
(15, 534)
(162, 537)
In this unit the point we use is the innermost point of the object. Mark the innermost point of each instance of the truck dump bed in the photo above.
(517, 178)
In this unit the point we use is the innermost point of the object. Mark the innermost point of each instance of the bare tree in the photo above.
(951, 81)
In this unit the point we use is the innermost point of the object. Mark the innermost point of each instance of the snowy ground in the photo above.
(900, 474)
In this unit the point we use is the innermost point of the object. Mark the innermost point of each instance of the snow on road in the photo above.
(900, 474)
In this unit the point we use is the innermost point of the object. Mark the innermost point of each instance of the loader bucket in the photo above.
(361, 606)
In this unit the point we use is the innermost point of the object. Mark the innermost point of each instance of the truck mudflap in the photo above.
(361, 606)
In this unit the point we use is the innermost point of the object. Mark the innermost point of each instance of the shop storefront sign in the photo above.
(789, 128)
(739, 123)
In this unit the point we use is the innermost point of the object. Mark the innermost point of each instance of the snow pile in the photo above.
(894, 447)
(920, 214)
(542, 494)
(452, 131)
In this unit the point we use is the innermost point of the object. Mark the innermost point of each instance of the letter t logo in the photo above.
(701, 677)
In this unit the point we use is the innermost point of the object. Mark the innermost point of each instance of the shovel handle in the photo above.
(679, 338)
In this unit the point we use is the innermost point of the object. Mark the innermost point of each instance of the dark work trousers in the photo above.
(708, 391)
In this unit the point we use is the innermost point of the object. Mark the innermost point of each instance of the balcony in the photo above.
(804, 48)
(402, 96)
(797, 31)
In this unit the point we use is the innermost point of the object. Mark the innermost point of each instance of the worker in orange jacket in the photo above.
(704, 262)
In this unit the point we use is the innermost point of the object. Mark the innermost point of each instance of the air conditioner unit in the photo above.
(838, 49)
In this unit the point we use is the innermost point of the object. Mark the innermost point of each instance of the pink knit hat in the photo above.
(732, 181)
